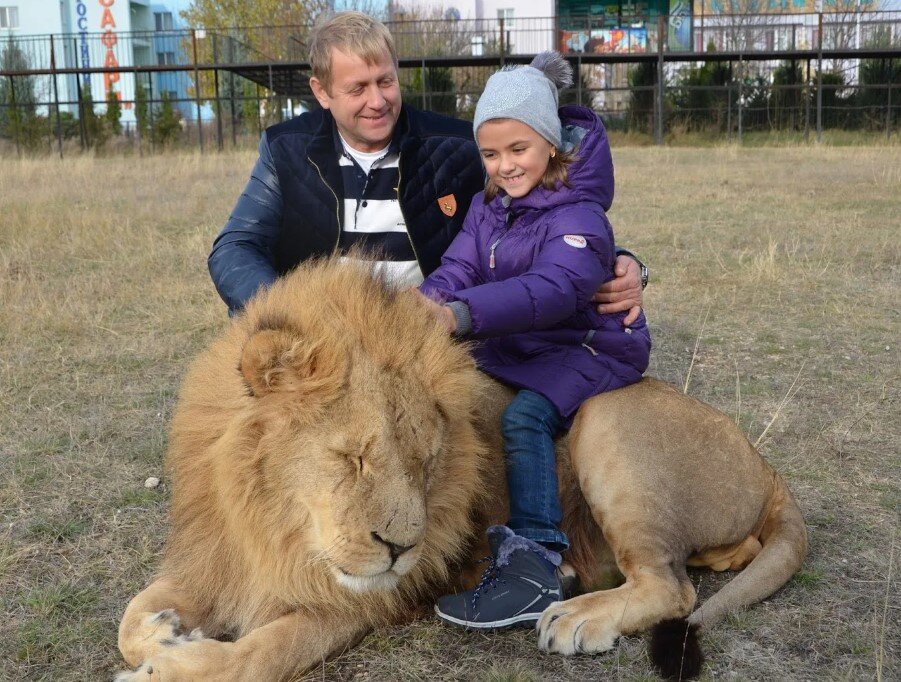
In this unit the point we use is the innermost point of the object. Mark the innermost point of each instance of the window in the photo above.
(9, 17)
(505, 15)
(163, 21)
(165, 58)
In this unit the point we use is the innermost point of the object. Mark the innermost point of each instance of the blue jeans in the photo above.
(529, 425)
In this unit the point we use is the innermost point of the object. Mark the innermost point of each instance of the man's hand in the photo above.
(623, 292)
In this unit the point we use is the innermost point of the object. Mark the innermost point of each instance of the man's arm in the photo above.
(242, 261)
(624, 291)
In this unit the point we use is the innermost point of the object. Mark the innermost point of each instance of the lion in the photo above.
(335, 458)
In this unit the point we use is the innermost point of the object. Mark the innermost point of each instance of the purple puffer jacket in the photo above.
(532, 311)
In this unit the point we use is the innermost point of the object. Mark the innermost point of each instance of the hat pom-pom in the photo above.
(552, 64)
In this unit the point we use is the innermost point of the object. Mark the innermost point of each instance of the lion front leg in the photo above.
(159, 614)
(591, 623)
(276, 651)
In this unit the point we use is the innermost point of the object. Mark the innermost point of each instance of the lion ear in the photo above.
(279, 360)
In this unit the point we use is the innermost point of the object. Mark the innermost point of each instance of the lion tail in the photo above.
(784, 546)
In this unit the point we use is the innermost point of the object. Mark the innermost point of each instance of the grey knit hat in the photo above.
(528, 94)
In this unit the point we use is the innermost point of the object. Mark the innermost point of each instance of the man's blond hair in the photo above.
(353, 33)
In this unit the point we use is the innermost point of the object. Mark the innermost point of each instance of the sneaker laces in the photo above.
(490, 577)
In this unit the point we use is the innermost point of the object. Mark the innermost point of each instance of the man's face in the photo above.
(363, 98)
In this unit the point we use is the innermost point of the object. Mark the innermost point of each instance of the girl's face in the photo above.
(515, 156)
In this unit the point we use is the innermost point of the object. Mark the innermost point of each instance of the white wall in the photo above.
(526, 36)
(486, 9)
(36, 16)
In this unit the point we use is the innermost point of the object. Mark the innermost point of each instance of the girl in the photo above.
(519, 277)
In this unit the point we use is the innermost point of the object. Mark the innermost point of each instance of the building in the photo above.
(520, 26)
(102, 33)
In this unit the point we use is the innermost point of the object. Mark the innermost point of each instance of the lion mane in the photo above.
(255, 452)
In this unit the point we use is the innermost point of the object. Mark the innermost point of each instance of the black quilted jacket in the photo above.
(292, 206)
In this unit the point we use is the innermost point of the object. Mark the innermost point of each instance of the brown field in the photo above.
(774, 268)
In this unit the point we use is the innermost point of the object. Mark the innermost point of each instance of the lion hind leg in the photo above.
(157, 617)
(784, 546)
(592, 622)
(731, 558)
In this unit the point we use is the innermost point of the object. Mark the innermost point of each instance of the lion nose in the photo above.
(394, 549)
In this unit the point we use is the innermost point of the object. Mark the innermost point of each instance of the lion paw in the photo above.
(139, 675)
(566, 630)
(185, 657)
(158, 632)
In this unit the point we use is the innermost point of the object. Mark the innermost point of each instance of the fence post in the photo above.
(422, 80)
(579, 79)
(501, 20)
(729, 109)
(888, 108)
(15, 113)
(197, 89)
(259, 115)
(658, 128)
(59, 123)
(741, 89)
(271, 89)
(216, 91)
(231, 92)
(82, 132)
(150, 111)
(807, 104)
(820, 79)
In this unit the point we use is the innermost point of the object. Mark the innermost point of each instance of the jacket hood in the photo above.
(590, 174)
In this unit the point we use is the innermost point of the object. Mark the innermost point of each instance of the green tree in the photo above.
(250, 107)
(113, 115)
(96, 129)
(142, 113)
(166, 124)
(237, 30)
(876, 75)
(571, 94)
(701, 98)
(18, 103)
(437, 86)
(838, 107)
(787, 99)
(240, 13)
(642, 78)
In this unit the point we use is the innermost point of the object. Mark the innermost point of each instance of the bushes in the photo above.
(167, 124)
(642, 78)
(438, 87)
(788, 99)
(875, 76)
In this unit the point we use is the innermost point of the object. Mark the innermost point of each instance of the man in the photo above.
(366, 170)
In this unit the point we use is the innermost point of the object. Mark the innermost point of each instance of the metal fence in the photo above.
(727, 76)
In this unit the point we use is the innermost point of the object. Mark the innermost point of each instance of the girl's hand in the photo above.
(444, 314)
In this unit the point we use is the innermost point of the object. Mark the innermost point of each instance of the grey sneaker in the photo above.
(518, 585)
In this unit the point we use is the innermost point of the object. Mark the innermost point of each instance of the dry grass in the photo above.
(791, 256)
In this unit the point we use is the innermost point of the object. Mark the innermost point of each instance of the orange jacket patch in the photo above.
(448, 205)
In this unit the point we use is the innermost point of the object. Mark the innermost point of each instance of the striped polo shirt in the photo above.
(372, 217)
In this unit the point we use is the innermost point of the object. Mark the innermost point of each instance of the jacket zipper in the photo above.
(337, 202)
(406, 224)
(491, 254)
(492, 261)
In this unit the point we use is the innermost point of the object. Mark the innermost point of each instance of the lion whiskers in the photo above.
(323, 556)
